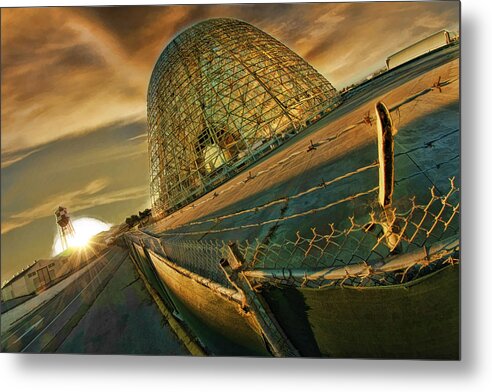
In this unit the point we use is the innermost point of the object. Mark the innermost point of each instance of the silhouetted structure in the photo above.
(65, 227)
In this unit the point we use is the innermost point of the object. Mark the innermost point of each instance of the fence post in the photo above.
(386, 158)
(386, 154)
(233, 267)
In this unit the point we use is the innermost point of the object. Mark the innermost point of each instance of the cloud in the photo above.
(138, 137)
(9, 158)
(47, 207)
(68, 70)
(62, 75)
(90, 195)
(100, 174)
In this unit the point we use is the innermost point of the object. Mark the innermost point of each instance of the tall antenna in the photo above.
(65, 227)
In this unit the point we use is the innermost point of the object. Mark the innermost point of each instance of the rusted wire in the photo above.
(163, 226)
(359, 250)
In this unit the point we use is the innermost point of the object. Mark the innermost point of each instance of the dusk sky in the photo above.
(74, 85)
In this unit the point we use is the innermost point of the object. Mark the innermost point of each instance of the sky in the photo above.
(74, 85)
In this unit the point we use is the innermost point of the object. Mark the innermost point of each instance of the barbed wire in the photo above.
(275, 220)
(428, 144)
(272, 203)
(355, 252)
(250, 176)
(368, 120)
(355, 255)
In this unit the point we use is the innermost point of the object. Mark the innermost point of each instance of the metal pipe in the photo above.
(396, 263)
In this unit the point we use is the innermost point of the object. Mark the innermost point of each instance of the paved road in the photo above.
(47, 326)
(124, 319)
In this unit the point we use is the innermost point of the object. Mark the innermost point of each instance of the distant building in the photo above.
(45, 273)
(428, 44)
(34, 279)
(221, 94)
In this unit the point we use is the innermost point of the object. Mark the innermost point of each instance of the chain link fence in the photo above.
(367, 251)
(367, 240)
(200, 257)
(381, 247)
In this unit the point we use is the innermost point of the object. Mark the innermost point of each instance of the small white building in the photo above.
(432, 42)
(35, 278)
(45, 273)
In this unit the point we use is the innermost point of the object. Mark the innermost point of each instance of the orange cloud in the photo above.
(89, 196)
(70, 70)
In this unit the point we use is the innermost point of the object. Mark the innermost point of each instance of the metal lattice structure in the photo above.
(221, 95)
(65, 227)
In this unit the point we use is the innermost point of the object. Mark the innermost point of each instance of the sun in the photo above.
(85, 229)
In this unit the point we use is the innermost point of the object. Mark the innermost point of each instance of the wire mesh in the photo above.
(200, 257)
(221, 95)
(366, 243)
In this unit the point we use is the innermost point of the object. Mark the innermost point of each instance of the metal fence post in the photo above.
(233, 267)
(386, 158)
(386, 154)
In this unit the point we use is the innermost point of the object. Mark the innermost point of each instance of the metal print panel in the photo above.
(270, 180)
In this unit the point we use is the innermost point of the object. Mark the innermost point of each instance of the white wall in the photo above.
(419, 48)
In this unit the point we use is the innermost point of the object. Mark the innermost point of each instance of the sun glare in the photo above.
(85, 229)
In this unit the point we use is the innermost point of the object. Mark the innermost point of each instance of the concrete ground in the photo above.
(123, 320)
(103, 310)
(11, 316)
(12, 303)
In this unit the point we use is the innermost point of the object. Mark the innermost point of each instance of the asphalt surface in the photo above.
(124, 319)
(47, 326)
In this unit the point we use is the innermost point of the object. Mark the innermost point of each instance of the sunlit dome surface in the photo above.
(221, 94)
(85, 229)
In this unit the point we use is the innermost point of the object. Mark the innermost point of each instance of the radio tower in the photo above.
(65, 227)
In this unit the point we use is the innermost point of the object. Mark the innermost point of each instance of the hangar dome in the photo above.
(221, 95)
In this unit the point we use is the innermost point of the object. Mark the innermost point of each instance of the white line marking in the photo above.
(11, 327)
(66, 307)
(28, 330)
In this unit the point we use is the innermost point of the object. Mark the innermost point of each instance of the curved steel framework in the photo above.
(221, 95)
